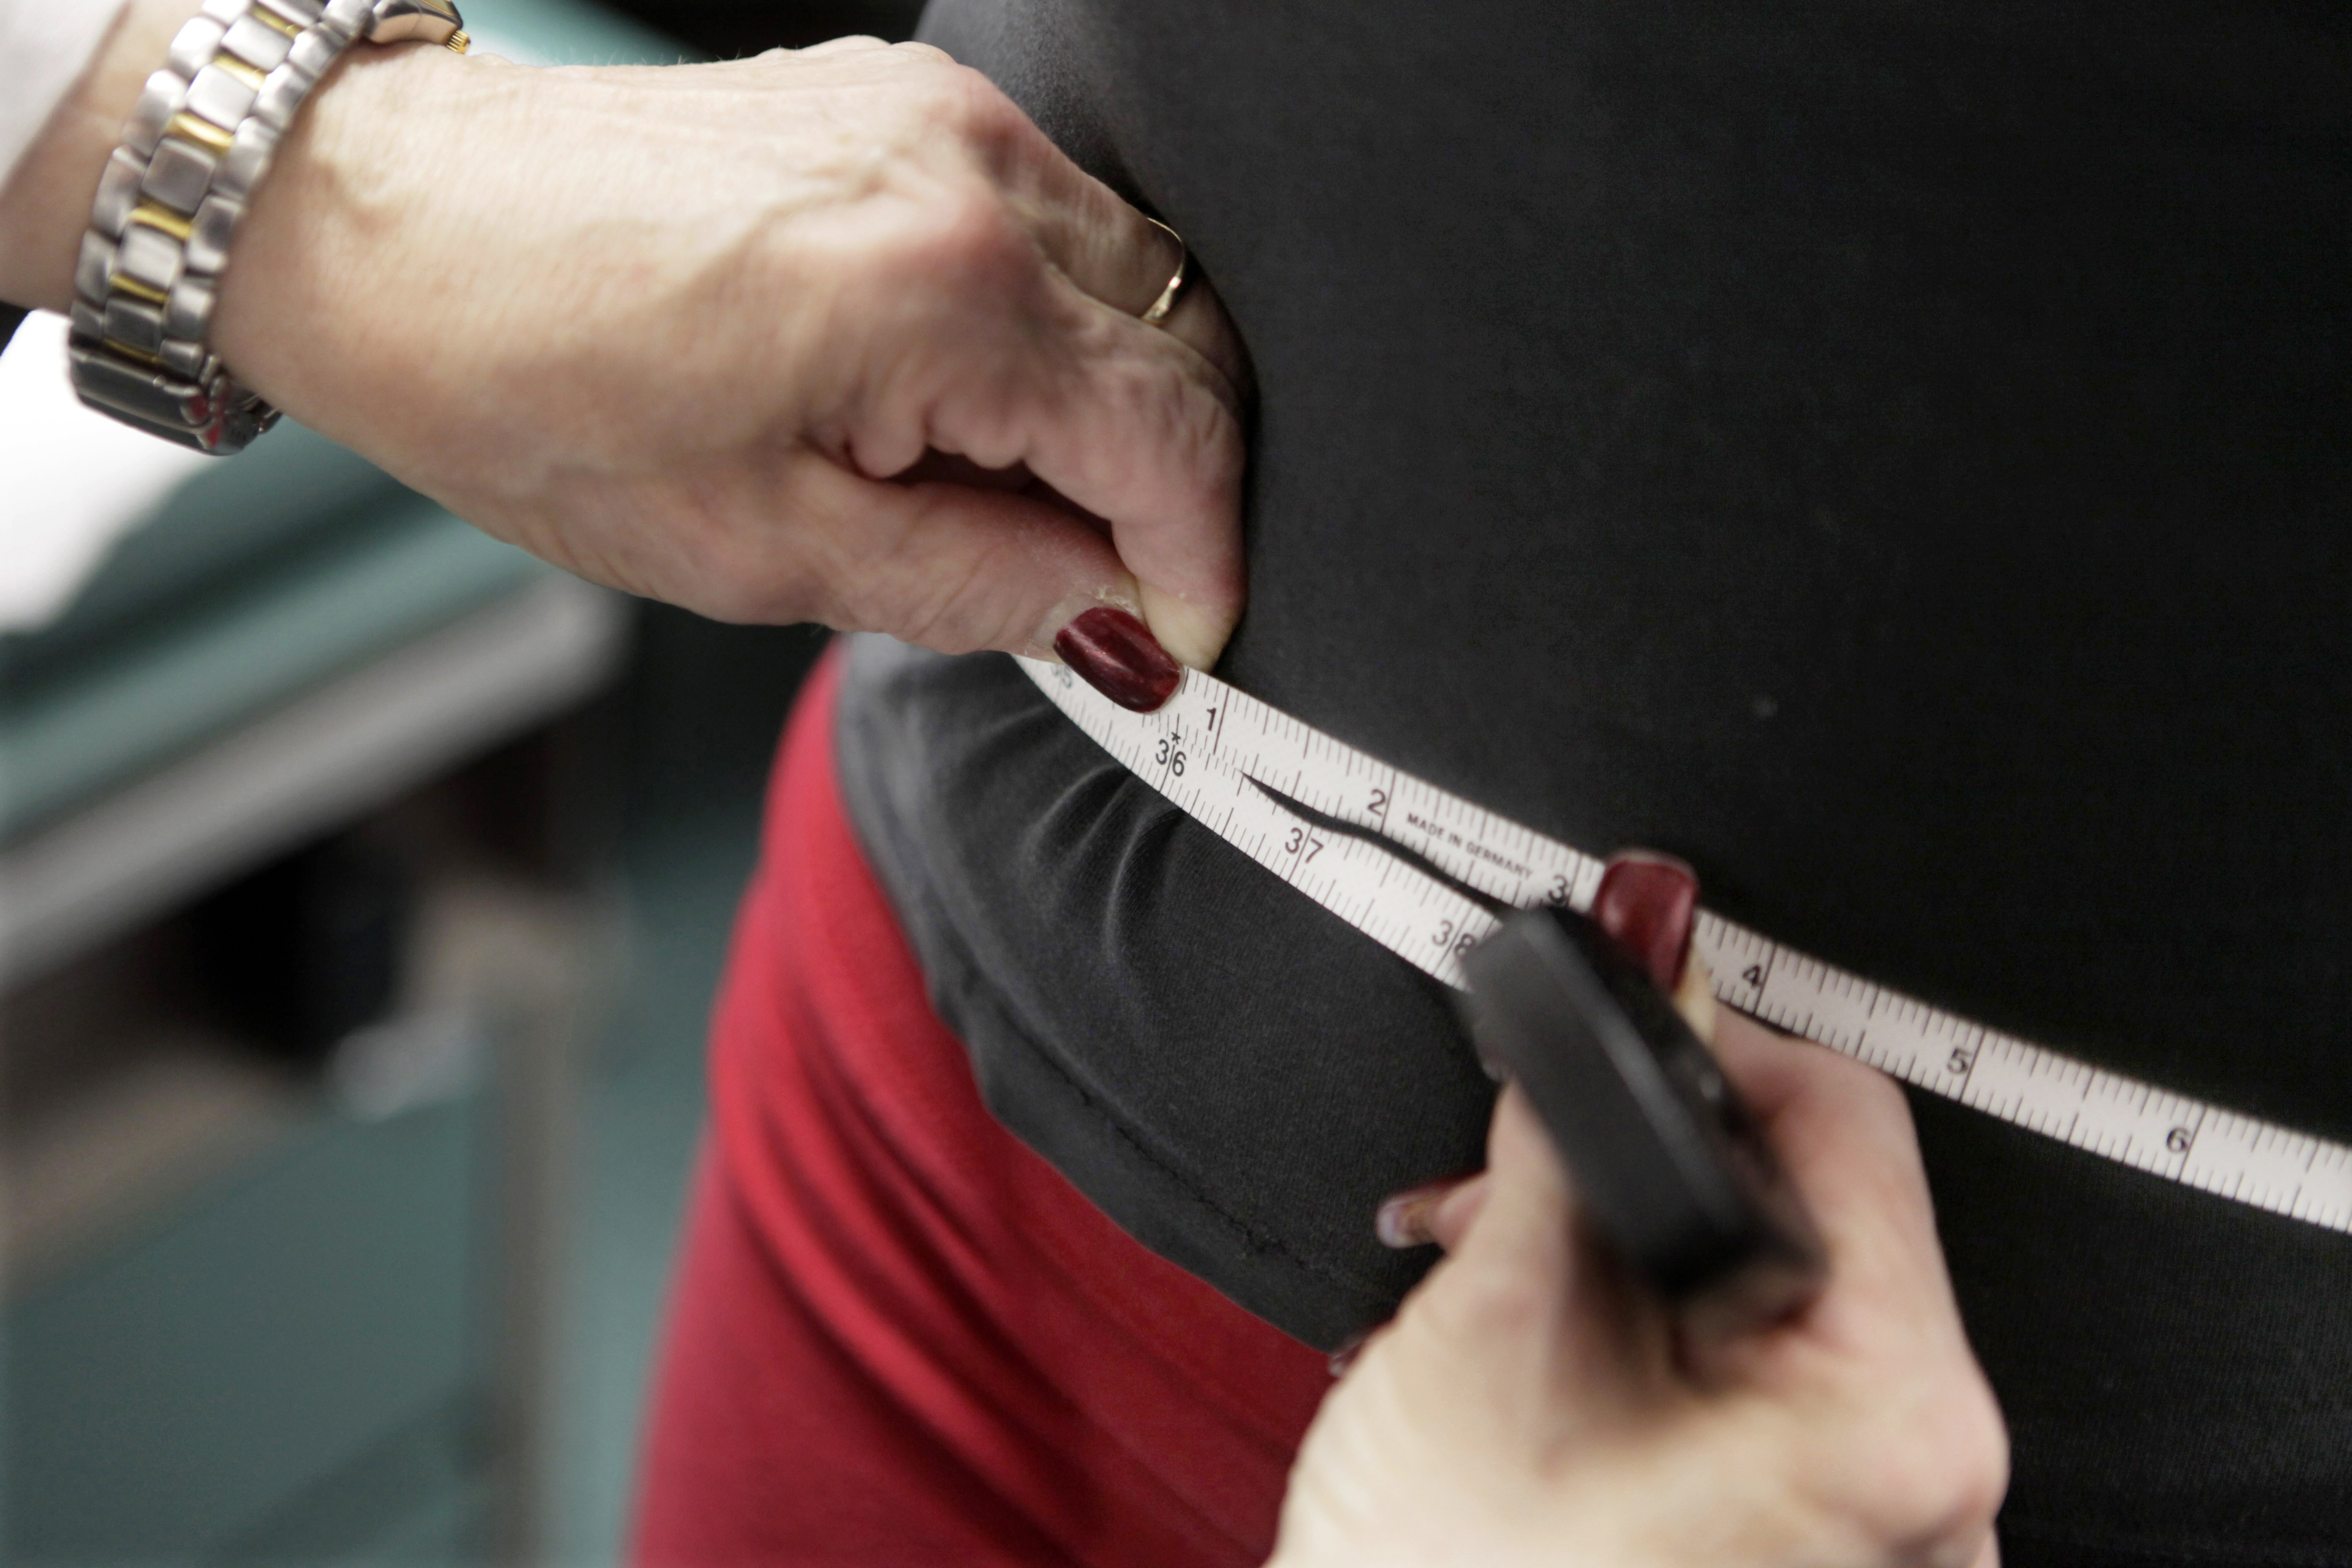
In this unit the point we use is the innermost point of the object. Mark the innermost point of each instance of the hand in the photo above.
(1530, 1404)
(833, 335)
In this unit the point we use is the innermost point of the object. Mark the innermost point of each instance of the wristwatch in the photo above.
(197, 147)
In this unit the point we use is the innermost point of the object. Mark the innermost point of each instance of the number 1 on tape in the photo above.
(1331, 821)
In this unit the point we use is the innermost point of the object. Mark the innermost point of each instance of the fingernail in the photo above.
(1118, 655)
(1194, 635)
(1402, 1218)
(1646, 902)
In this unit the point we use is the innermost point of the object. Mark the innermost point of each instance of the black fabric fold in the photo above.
(1893, 456)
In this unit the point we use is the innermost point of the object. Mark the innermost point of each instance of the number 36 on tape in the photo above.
(1418, 870)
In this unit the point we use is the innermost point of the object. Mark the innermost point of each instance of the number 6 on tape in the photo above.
(1419, 870)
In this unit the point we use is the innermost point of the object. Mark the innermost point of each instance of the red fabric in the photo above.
(898, 1337)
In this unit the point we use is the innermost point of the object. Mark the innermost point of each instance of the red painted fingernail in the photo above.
(1118, 655)
(1646, 902)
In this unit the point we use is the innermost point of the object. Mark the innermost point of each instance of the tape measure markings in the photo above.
(1203, 748)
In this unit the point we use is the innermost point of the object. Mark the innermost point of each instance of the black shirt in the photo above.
(1895, 456)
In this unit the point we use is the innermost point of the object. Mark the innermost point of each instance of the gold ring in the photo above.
(1159, 310)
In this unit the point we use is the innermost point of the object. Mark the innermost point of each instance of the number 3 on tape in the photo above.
(1420, 872)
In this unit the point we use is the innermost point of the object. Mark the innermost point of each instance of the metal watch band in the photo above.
(197, 147)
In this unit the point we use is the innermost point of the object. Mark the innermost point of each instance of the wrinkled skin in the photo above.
(1529, 1405)
(740, 336)
(837, 335)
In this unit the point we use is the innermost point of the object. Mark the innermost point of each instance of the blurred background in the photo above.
(363, 884)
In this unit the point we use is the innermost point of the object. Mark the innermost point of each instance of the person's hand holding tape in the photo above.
(833, 335)
(1532, 1404)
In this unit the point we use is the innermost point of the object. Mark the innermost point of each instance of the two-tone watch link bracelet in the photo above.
(196, 149)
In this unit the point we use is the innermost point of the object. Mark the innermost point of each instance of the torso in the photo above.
(1894, 459)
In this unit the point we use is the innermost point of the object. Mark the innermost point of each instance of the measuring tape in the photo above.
(1347, 830)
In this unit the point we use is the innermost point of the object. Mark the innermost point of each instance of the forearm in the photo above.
(45, 206)
(696, 330)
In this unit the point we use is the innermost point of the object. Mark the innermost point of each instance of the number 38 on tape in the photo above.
(1419, 870)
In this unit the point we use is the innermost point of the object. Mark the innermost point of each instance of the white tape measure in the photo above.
(1322, 816)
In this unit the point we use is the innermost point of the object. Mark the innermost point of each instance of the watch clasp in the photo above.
(423, 21)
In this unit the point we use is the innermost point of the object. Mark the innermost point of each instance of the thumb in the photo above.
(1531, 1274)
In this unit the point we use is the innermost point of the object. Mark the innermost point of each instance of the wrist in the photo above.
(195, 151)
(45, 206)
(284, 294)
(348, 190)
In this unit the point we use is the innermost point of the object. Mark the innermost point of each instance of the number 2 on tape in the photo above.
(1353, 833)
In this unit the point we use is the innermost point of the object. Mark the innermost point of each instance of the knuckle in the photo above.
(966, 240)
(1982, 1461)
(1179, 441)
(1938, 1478)
(1880, 1093)
(1205, 435)
(1185, 390)
(960, 100)
(1853, 1084)
(1479, 1303)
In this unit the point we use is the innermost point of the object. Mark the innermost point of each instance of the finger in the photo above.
(1131, 428)
(1529, 1267)
(1843, 1133)
(1019, 346)
(1847, 1129)
(1127, 262)
(1693, 998)
(1105, 246)
(1436, 1214)
(1527, 1214)
(1885, 1329)
(1409, 1218)
(1109, 249)
(948, 565)
(1189, 604)
(1456, 1213)
(1198, 322)
(1646, 903)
